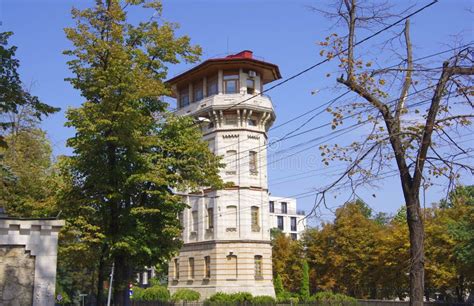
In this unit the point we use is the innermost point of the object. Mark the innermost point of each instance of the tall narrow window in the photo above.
(212, 86)
(198, 91)
(280, 222)
(210, 218)
(207, 267)
(231, 82)
(231, 218)
(195, 220)
(284, 207)
(191, 268)
(272, 206)
(184, 97)
(176, 268)
(293, 224)
(232, 267)
(231, 162)
(253, 162)
(255, 219)
(250, 86)
(181, 218)
(258, 267)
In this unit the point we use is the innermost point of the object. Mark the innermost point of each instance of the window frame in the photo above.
(293, 224)
(284, 207)
(253, 162)
(228, 77)
(258, 268)
(255, 218)
(271, 207)
(198, 86)
(191, 270)
(252, 91)
(282, 227)
(184, 92)
(207, 267)
(212, 81)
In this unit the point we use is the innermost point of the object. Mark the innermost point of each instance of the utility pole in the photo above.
(110, 285)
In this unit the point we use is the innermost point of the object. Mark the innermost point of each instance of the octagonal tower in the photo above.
(227, 232)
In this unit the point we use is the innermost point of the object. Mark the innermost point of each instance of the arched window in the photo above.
(255, 216)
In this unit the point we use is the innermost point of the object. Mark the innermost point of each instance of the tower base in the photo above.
(227, 266)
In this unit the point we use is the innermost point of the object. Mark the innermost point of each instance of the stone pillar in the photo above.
(39, 237)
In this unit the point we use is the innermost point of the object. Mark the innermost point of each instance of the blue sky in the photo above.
(281, 32)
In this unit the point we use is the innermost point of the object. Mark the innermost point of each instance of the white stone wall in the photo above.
(233, 134)
(40, 238)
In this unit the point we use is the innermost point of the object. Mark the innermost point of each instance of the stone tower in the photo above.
(227, 232)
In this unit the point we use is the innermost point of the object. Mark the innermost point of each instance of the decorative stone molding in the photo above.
(230, 136)
(253, 137)
(40, 238)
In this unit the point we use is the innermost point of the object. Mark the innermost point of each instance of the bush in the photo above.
(284, 297)
(221, 298)
(186, 295)
(152, 294)
(263, 300)
(333, 298)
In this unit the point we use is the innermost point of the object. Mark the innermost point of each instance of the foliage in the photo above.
(32, 193)
(263, 300)
(327, 297)
(278, 285)
(304, 290)
(361, 257)
(13, 96)
(151, 294)
(186, 295)
(221, 298)
(287, 257)
(129, 154)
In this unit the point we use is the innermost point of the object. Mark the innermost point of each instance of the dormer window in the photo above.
(184, 97)
(231, 82)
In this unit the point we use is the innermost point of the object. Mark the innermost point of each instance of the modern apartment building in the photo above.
(285, 216)
(227, 232)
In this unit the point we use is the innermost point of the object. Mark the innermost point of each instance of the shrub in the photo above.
(333, 298)
(221, 298)
(278, 284)
(137, 293)
(152, 294)
(284, 297)
(263, 300)
(186, 295)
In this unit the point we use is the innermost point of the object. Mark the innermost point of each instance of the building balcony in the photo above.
(223, 101)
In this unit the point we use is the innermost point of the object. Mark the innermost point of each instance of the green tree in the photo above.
(304, 290)
(13, 98)
(129, 155)
(287, 259)
(28, 158)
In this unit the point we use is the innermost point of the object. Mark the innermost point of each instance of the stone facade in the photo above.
(17, 272)
(29, 264)
(227, 232)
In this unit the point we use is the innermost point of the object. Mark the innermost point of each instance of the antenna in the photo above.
(227, 45)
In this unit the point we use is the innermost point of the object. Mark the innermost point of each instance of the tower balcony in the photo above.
(261, 103)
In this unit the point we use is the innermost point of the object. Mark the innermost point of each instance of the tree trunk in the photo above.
(100, 282)
(417, 270)
(121, 292)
